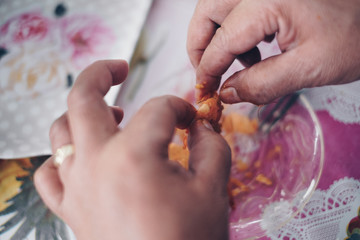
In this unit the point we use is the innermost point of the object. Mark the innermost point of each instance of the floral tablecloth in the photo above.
(43, 47)
(159, 65)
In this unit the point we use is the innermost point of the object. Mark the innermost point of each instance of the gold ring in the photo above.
(62, 153)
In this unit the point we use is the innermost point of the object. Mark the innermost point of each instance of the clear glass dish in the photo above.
(280, 170)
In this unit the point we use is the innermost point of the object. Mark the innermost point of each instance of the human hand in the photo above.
(319, 41)
(120, 184)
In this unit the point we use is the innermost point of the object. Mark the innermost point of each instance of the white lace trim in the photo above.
(326, 215)
(341, 101)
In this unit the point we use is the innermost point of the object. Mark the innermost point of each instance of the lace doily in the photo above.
(326, 215)
(341, 101)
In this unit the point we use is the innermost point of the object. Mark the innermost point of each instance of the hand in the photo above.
(119, 184)
(319, 41)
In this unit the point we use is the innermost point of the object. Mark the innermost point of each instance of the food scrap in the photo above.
(199, 86)
(210, 108)
(261, 178)
(234, 122)
(178, 150)
(237, 186)
(231, 124)
(179, 154)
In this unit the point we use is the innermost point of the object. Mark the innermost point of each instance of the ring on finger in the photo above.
(62, 153)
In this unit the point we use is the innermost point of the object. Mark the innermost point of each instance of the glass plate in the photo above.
(281, 170)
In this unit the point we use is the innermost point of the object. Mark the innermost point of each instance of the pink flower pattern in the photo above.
(25, 27)
(86, 36)
(77, 40)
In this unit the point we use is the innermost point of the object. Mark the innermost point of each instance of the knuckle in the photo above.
(55, 130)
(73, 96)
(252, 91)
(77, 96)
(130, 158)
(221, 38)
(255, 90)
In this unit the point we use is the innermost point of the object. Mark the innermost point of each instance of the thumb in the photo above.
(272, 78)
(210, 156)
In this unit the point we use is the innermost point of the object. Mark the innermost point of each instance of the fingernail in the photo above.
(230, 95)
(207, 125)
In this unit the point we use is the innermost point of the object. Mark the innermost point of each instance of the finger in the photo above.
(200, 32)
(245, 26)
(272, 78)
(154, 125)
(49, 186)
(90, 119)
(60, 133)
(207, 17)
(210, 155)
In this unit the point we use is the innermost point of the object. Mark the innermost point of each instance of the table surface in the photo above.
(336, 201)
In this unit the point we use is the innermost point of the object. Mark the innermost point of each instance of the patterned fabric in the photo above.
(44, 45)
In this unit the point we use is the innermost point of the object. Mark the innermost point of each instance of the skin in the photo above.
(319, 40)
(120, 184)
